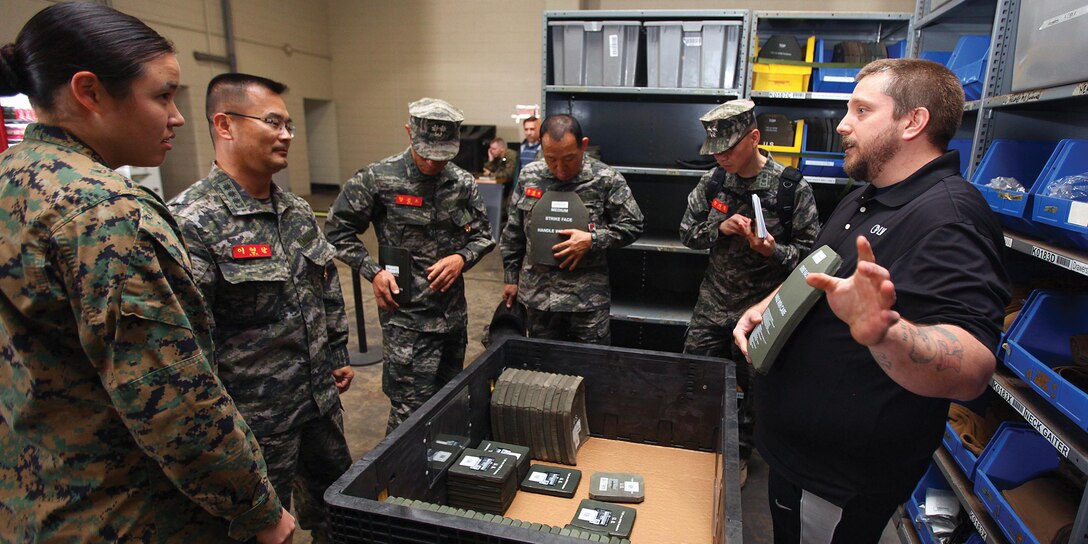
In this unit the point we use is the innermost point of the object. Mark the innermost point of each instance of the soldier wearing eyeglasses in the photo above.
(268, 277)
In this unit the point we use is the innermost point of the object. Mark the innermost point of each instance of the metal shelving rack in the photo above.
(1046, 113)
(883, 27)
(642, 131)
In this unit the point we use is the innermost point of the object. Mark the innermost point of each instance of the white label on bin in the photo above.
(614, 45)
(1083, 10)
(838, 79)
(812, 162)
(693, 41)
(1078, 213)
(630, 487)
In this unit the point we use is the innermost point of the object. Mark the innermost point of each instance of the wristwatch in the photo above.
(593, 238)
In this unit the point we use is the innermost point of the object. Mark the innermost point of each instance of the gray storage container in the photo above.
(594, 53)
(692, 54)
(1048, 52)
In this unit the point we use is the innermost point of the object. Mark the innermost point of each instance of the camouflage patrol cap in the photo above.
(434, 126)
(726, 124)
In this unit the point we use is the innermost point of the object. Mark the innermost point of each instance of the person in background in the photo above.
(569, 300)
(849, 415)
(113, 425)
(501, 161)
(429, 211)
(743, 267)
(530, 146)
(268, 277)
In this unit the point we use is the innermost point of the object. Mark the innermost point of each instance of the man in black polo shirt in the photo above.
(851, 412)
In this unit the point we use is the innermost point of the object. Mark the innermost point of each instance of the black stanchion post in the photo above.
(365, 356)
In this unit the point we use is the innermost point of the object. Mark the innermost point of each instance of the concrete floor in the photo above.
(366, 407)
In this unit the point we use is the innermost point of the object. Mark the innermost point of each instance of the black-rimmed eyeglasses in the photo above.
(275, 123)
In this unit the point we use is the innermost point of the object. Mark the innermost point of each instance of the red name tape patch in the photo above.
(410, 200)
(533, 192)
(252, 251)
(720, 206)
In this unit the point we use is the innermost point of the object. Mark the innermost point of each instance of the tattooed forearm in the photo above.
(931, 344)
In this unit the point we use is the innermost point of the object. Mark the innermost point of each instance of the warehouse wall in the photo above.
(368, 60)
(286, 40)
(484, 56)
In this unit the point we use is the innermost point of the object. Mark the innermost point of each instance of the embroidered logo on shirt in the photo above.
(410, 200)
(720, 206)
(533, 192)
(252, 251)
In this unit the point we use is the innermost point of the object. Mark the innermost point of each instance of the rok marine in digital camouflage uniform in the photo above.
(569, 301)
(423, 205)
(269, 279)
(743, 268)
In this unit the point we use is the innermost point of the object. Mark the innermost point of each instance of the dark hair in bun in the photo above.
(11, 82)
(63, 39)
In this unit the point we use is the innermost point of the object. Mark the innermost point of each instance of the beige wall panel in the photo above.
(765, 5)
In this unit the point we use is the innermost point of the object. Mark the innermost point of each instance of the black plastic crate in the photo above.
(647, 397)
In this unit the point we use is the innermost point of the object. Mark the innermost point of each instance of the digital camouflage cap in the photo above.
(435, 128)
(726, 124)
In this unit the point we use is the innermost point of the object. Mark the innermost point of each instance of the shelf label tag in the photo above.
(1080, 89)
(978, 526)
(1083, 10)
(1024, 97)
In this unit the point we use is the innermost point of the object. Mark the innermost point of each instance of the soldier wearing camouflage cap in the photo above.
(743, 268)
(113, 425)
(269, 279)
(570, 299)
(429, 212)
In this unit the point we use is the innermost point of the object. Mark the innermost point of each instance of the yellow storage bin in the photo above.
(784, 77)
(798, 136)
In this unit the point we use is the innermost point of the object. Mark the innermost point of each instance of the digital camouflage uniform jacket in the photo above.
(613, 213)
(113, 425)
(445, 216)
(737, 277)
(269, 279)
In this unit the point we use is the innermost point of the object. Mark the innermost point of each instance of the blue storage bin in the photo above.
(1038, 341)
(964, 458)
(1016, 454)
(831, 80)
(963, 145)
(1063, 220)
(968, 62)
(1023, 160)
(822, 167)
(931, 479)
(897, 50)
(940, 57)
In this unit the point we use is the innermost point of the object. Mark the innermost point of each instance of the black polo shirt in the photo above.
(827, 417)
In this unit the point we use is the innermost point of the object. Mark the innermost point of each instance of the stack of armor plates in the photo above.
(546, 412)
(485, 481)
(521, 452)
